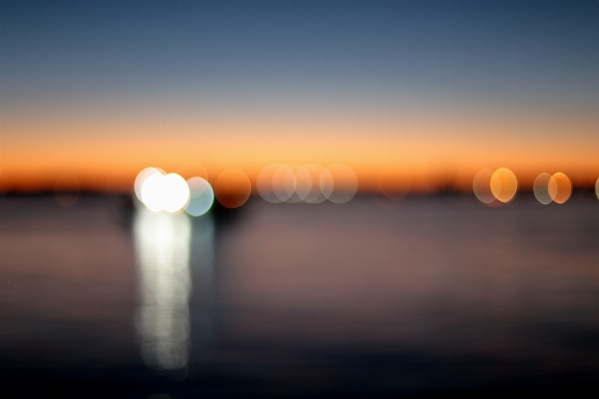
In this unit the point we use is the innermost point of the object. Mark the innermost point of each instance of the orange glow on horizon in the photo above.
(107, 155)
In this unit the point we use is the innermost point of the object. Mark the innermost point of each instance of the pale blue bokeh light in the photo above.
(201, 196)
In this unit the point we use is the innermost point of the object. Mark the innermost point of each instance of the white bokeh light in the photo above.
(168, 193)
(176, 193)
(482, 186)
(141, 178)
(283, 183)
(290, 183)
(315, 195)
(541, 188)
(338, 183)
(151, 192)
(303, 183)
(264, 183)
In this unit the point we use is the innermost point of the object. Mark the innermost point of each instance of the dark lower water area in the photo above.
(422, 297)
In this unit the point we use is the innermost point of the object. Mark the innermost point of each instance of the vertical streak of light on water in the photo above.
(163, 248)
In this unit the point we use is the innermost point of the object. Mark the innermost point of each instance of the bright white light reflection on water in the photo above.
(162, 245)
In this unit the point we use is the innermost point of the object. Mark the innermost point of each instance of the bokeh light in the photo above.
(482, 186)
(151, 192)
(165, 192)
(66, 190)
(541, 188)
(283, 182)
(290, 183)
(232, 188)
(560, 188)
(504, 185)
(314, 195)
(303, 183)
(176, 193)
(264, 183)
(141, 178)
(302, 186)
(201, 196)
(338, 183)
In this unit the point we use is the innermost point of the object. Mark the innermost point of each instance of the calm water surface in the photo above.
(365, 298)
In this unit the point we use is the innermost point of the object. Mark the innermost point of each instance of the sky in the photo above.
(436, 90)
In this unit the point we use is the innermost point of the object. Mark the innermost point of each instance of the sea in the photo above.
(426, 296)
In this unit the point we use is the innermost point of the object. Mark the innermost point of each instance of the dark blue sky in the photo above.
(521, 49)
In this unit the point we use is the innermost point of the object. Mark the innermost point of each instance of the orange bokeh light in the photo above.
(232, 188)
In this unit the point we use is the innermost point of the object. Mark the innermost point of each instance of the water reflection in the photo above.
(172, 251)
(202, 271)
(162, 246)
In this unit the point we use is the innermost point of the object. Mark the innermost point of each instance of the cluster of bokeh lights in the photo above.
(556, 188)
(313, 184)
(501, 186)
(170, 193)
(491, 186)
(310, 183)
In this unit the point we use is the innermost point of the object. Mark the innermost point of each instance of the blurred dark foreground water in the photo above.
(423, 297)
